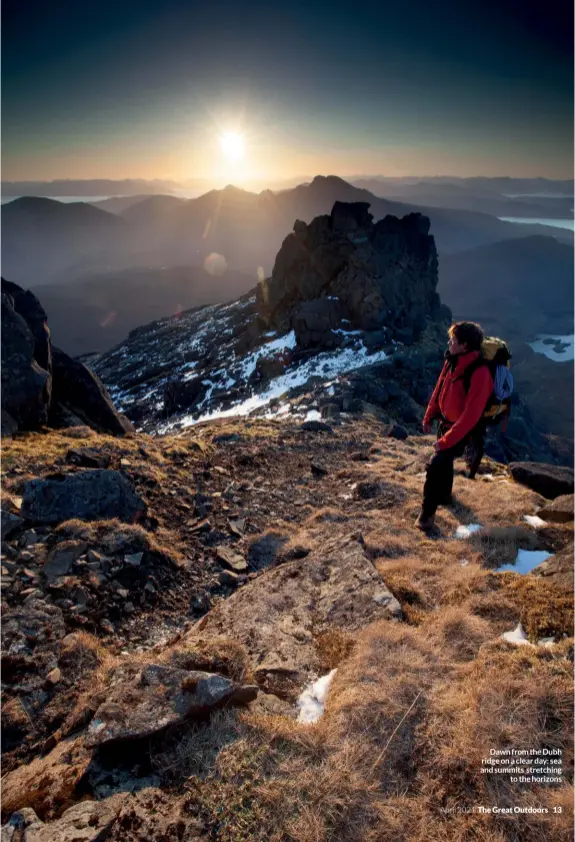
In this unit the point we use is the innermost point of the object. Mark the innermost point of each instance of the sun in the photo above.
(232, 145)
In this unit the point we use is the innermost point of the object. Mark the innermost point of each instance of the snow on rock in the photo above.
(525, 562)
(311, 702)
(534, 520)
(325, 364)
(464, 531)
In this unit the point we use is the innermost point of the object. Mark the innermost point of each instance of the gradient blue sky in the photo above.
(144, 88)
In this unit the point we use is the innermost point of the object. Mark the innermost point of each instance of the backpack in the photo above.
(495, 354)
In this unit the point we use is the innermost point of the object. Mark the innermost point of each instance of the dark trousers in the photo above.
(438, 485)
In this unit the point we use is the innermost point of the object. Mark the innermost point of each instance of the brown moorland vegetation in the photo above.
(415, 704)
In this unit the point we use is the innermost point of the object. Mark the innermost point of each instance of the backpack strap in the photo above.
(465, 378)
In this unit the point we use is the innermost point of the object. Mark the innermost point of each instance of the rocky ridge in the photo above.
(349, 322)
(169, 600)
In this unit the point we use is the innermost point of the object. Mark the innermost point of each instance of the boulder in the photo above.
(41, 384)
(27, 305)
(10, 523)
(25, 384)
(316, 427)
(88, 457)
(78, 391)
(87, 495)
(61, 559)
(558, 569)
(277, 616)
(559, 511)
(550, 481)
(235, 561)
(161, 696)
(394, 431)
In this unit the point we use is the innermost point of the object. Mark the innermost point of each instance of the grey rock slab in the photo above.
(62, 558)
(277, 614)
(232, 559)
(162, 696)
(87, 495)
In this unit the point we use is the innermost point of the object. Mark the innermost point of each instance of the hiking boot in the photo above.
(425, 523)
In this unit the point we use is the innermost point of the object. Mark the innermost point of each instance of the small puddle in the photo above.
(525, 562)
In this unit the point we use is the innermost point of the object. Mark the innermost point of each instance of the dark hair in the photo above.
(467, 333)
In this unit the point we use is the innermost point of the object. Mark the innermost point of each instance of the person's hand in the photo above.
(427, 427)
(436, 447)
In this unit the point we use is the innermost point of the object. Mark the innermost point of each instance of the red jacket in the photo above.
(449, 398)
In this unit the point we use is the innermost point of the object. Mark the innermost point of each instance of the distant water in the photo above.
(554, 223)
(6, 199)
(560, 349)
(538, 195)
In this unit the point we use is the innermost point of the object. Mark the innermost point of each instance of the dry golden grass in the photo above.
(113, 536)
(414, 706)
(544, 609)
(216, 654)
(333, 646)
(192, 751)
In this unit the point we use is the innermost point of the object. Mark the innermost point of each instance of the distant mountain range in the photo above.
(138, 186)
(99, 313)
(517, 289)
(521, 287)
(45, 241)
(537, 198)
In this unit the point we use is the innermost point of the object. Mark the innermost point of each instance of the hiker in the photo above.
(459, 412)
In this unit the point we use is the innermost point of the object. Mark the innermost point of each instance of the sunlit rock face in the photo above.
(359, 276)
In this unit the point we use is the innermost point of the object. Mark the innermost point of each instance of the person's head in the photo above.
(464, 337)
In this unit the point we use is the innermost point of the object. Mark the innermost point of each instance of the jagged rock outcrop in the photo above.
(342, 272)
(42, 385)
(25, 384)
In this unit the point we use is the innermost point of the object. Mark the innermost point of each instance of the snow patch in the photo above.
(525, 562)
(313, 415)
(464, 531)
(534, 520)
(311, 702)
(517, 636)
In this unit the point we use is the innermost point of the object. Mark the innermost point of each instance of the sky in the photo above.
(146, 88)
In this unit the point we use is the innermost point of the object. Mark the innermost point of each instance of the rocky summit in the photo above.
(348, 322)
(223, 625)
